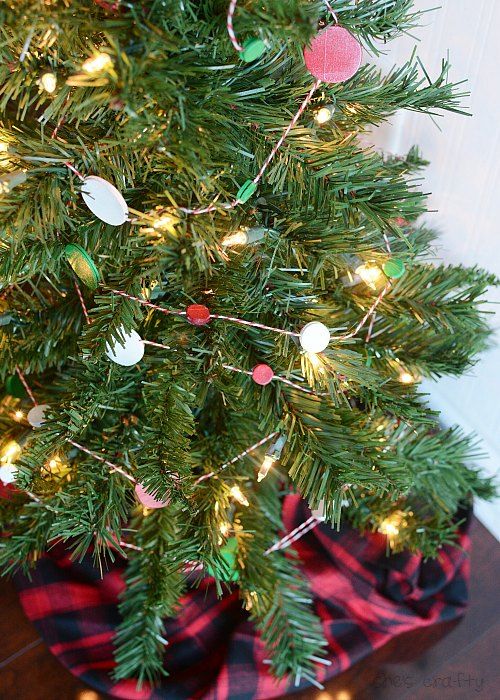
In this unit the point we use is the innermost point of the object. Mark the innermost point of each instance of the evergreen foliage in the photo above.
(176, 120)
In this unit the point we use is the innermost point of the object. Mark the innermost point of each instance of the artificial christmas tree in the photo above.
(214, 296)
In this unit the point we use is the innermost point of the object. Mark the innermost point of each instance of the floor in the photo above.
(455, 661)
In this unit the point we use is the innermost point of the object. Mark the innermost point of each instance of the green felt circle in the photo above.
(252, 49)
(226, 569)
(394, 268)
(15, 387)
(246, 191)
(82, 264)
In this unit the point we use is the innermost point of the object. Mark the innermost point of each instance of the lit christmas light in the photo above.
(19, 415)
(369, 273)
(243, 236)
(406, 378)
(266, 465)
(97, 63)
(314, 337)
(237, 494)
(164, 222)
(324, 114)
(238, 238)
(391, 526)
(10, 452)
(48, 82)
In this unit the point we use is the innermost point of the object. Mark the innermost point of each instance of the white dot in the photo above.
(104, 200)
(314, 337)
(36, 417)
(126, 352)
(8, 473)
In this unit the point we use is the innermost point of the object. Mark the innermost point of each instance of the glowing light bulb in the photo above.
(391, 525)
(266, 465)
(324, 114)
(237, 494)
(163, 222)
(314, 337)
(10, 452)
(369, 273)
(49, 82)
(406, 378)
(238, 238)
(97, 63)
(18, 415)
(225, 529)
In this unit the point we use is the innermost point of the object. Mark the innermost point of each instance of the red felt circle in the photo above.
(334, 55)
(262, 374)
(198, 314)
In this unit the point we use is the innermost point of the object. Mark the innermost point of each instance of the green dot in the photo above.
(394, 268)
(82, 264)
(226, 570)
(246, 191)
(15, 387)
(252, 50)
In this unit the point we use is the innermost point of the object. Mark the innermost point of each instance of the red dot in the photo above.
(334, 55)
(262, 374)
(198, 314)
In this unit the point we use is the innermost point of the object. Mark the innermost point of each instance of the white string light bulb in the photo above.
(48, 82)
(324, 114)
(314, 337)
(97, 63)
(266, 465)
(406, 378)
(238, 495)
(243, 236)
(369, 273)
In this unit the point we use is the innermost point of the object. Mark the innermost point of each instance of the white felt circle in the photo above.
(314, 337)
(127, 352)
(8, 473)
(104, 200)
(36, 417)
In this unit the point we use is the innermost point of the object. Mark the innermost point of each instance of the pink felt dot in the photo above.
(147, 499)
(262, 374)
(334, 55)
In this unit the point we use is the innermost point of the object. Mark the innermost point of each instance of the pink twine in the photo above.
(113, 467)
(82, 302)
(220, 317)
(74, 170)
(230, 28)
(26, 386)
(296, 534)
(238, 457)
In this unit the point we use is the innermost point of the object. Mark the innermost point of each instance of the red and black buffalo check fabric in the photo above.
(363, 598)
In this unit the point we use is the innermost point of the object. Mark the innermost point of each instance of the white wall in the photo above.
(464, 178)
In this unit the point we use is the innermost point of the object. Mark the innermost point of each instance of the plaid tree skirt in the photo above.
(363, 598)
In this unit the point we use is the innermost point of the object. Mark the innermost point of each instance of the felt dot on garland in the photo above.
(147, 500)
(15, 387)
(36, 416)
(82, 264)
(262, 374)
(104, 200)
(8, 473)
(246, 191)
(226, 570)
(314, 337)
(334, 55)
(394, 268)
(252, 50)
(126, 352)
(198, 314)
